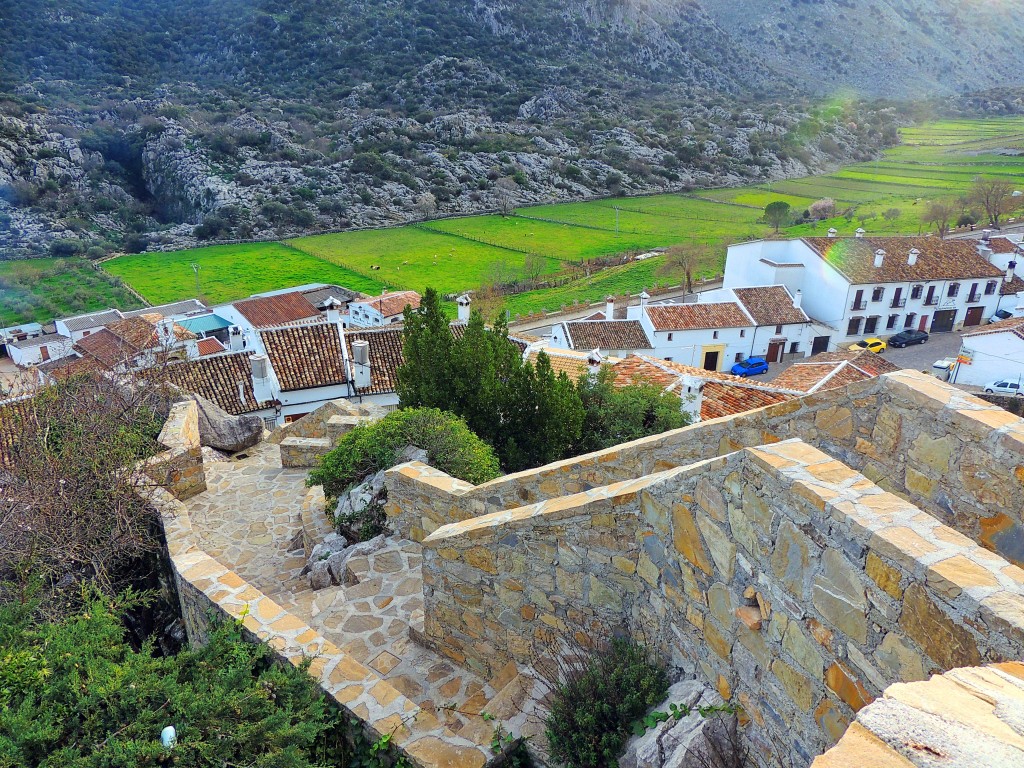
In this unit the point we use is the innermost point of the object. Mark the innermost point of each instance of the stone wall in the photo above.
(952, 454)
(790, 581)
(179, 469)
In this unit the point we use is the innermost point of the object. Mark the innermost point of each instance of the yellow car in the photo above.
(874, 345)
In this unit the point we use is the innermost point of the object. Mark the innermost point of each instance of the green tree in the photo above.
(776, 214)
(424, 380)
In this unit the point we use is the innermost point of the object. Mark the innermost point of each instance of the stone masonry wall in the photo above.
(790, 581)
(179, 469)
(952, 454)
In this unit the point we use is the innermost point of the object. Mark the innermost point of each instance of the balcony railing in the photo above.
(897, 303)
(931, 301)
(974, 298)
(858, 305)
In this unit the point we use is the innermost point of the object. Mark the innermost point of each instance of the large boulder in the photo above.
(219, 429)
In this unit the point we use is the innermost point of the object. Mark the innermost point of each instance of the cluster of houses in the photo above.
(284, 353)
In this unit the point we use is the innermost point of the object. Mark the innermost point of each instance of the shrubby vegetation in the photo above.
(368, 449)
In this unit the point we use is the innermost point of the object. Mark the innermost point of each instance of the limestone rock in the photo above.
(319, 575)
(219, 429)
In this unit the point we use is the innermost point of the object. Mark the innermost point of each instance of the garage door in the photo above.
(943, 321)
(973, 316)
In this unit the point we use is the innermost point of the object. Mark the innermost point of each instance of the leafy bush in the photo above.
(594, 707)
(76, 694)
(366, 450)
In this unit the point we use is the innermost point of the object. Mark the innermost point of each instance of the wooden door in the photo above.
(974, 315)
(923, 325)
(775, 350)
(711, 361)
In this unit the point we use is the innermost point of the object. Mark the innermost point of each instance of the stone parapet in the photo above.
(778, 574)
(179, 469)
(299, 452)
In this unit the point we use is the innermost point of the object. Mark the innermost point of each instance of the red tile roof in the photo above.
(210, 346)
(282, 309)
(690, 317)
(832, 370)
(1011, 288)
(306, 356)
(770, 305)
(1014, 325)
(720, 399)
(107, 349)
(606, 334)
(392, 304)
(938, 259)
(1002, 245)
(223, 379)
(386, 346)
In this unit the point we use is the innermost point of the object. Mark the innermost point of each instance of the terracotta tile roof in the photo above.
(69, 366)
(831, 370)
(1014, 325)
(1011, 288)
(1002, 245)
(690, 317)
(770, 305)
(138, 332)
(107, 349)
(386, 357)
(938, 259)
(595, 316)
(392, 304)
(573, 363)
(306, 356)
(667, 372)
(721, 399)
(606, 334)
(283, 309)
(210, 346)
(223, 379)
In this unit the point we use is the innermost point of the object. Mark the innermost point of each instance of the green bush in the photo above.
(366, 450)
(76, 695)
(594, 707)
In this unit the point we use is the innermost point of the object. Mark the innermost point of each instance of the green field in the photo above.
(936, 161)
(39, 290)
(228, 272)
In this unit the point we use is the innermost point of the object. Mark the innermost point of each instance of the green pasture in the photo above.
(40, 290)
(229, 272)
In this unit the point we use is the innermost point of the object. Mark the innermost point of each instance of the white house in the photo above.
(781, 328)
(386, 309)
(874, 286)
(617, 338)
(80, 326)
(39, 349)
(991, 352)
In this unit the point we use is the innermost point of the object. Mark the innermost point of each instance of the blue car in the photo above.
(750, 367)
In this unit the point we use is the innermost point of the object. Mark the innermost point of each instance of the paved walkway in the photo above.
(249, 520)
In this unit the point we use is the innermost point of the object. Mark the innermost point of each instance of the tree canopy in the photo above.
(776, 214)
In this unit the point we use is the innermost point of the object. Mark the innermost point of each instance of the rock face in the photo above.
(328, 560)
(219, 429)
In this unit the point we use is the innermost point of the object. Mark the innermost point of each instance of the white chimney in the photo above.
(464, 303)
(236, 341)
(798, 298)
(262, 385)
(879, 258)
(832, 232)
(594, 360)
(986, 235)
(165, 331)
(333, 307)
(1009, 271)
(860, 232)
(912, 256)
(609, 308)
(692, 394)
(361, 364)
(644, 296)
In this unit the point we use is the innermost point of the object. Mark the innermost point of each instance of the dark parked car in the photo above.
(906, 338)
(750, 367)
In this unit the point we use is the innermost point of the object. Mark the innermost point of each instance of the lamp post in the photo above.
(195, 268)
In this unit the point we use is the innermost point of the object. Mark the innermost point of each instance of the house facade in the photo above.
(39, 349)
(991, 352)
(874, 286)
(387, 309)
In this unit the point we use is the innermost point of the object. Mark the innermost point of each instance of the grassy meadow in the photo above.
(935, 161)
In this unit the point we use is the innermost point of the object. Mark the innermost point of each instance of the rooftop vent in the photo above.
(912, 256)
(860, 232)
(833, 232)
(879, 258)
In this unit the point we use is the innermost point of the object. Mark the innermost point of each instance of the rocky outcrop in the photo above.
(219, 429)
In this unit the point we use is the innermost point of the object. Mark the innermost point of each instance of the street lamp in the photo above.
(195, 268)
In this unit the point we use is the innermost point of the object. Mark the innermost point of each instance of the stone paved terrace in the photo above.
(249, 519)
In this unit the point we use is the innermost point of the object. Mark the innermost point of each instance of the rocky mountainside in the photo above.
(154, 123)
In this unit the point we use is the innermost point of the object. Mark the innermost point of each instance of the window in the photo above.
(743, 333)
(668, 359)
(909, 321)
(954, 289)
(854, 327)
(916, 291)
(891, 322)
(877, 294)
(870, 325)
(990, 287)
(670, 337)
(739, 357)
(85, 333)
(714, 335)
(778, 330)
(794, 347)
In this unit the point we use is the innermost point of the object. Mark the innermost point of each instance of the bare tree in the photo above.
(506, 193)
(995, 196)
(689, 257)
(426, 205)
(533, 267)
(940, 216)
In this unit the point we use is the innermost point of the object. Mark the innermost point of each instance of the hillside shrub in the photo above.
(597, 701)
(75, 693)
(366, 450)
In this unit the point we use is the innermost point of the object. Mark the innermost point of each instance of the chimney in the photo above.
(860, 232)
(1009, 271)
(879, 258)
(333, 307)
(594, 360)
(644, 296)
(609, 307)
(912, 257)
(361, 364)
(832, 232)
(262, 385)
(692, 395)
(986, 235)
(798, 298)
(464, 303)
(165, 331)
(236, 342)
